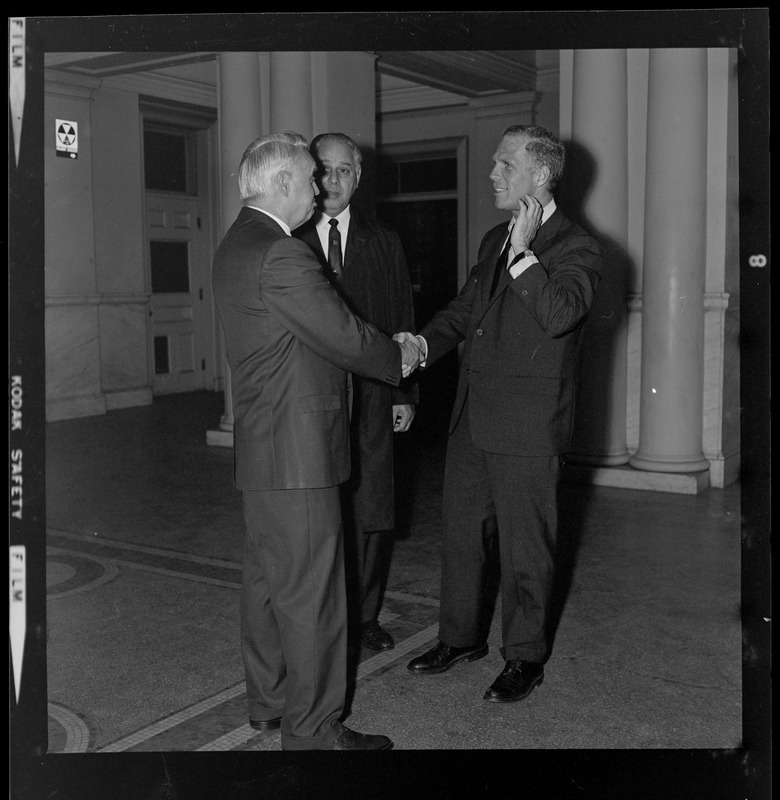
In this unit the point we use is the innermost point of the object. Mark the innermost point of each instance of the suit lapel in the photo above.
(544, 237)
(547, 233)
(357, 238)
(489, 271)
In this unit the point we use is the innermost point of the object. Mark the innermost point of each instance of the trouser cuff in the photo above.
(331, 729)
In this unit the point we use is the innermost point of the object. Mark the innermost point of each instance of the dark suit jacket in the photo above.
(375, 284)
(290, 340)
(520, 358)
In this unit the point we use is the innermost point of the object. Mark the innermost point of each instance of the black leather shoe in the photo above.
(516, 681)
(348, 739)
(375, 637)
(266, 724)
(442, 657)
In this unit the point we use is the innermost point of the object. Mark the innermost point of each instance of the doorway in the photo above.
(418, 194)
(179, 250)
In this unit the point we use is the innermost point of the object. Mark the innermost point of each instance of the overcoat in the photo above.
(375, 284)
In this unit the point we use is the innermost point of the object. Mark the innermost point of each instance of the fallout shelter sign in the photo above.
(67, 139)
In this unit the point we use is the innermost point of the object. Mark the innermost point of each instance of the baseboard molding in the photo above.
(626, 477)
(129, 398)
(86, 405)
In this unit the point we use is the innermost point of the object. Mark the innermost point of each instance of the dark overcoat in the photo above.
(375, 284)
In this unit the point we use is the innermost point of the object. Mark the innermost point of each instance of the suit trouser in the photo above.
(367, 563)
(521, 493)
(293, 611)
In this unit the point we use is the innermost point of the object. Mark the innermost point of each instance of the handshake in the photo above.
(413, 351)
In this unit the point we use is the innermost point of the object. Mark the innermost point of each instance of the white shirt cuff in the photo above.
(424, 347)
(522, 265)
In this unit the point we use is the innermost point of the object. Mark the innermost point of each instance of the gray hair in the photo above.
(265, 158)
(544, 147)
(357, 156)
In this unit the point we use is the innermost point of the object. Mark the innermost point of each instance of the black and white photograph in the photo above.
(390, 381)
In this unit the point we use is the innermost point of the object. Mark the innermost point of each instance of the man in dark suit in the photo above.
(290, 342)
(520, 314)
(365, 259)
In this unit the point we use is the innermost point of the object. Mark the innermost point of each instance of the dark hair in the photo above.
(544, 147)
(338, 137)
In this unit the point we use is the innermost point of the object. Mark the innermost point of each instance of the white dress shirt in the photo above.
(323, 229)
(523, 264)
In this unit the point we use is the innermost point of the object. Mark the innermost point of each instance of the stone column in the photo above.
(599, 136)
(291, 92)
(671, 398)
(240, 121)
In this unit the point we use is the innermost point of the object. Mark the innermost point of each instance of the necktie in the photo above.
(501, 265)
(334, 247)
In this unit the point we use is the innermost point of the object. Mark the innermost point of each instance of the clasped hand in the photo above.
(411, 352)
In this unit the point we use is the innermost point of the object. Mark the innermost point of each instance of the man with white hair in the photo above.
(290, 342)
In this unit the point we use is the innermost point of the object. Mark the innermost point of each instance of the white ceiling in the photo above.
(466, 73)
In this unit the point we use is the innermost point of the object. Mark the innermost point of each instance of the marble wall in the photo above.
(124, 365)
(97, 353)
(73, 386)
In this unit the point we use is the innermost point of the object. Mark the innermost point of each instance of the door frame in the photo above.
(448, 147)
(202, 122)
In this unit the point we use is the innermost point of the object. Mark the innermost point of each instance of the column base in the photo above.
(602, 460)
(626, 477)
(724, 470)
(667, 465)
(219, 438)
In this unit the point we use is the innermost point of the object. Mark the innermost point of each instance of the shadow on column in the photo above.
(599, 433)
(599, 423)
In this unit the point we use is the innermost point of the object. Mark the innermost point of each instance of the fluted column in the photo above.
(240, 122)
(600, 136)
(671, 394)
(291, 92)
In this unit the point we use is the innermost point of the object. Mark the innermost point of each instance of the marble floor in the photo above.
(144, 533)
